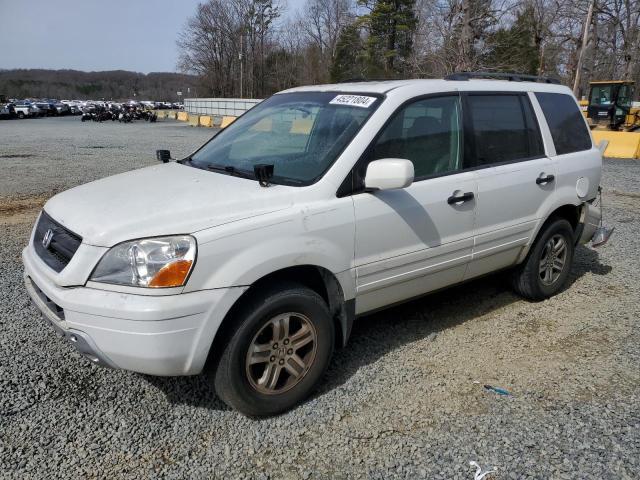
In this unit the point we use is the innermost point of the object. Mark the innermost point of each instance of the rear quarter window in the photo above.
(568, 129)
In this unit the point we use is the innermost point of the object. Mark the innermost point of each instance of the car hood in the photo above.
(162, 200)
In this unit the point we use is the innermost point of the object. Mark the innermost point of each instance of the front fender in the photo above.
(240, 255)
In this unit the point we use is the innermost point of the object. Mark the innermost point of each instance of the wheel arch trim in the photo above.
(570, 212)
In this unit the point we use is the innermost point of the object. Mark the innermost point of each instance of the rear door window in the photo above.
(568, 129)
(502, 128)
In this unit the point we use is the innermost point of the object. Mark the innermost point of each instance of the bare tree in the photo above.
(322, 23)
(583, 47)
(623, 17)
(557, 38)
(225, 37)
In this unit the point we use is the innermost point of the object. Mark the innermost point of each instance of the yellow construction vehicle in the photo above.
(613, 116)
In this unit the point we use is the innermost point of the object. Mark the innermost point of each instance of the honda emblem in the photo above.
(46, 240)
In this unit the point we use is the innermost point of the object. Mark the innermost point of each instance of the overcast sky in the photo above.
(138, 35)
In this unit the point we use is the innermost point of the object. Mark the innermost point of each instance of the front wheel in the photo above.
(278, 352)
(546, 269)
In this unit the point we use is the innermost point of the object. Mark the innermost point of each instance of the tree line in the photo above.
(250, 48)
(115, 85)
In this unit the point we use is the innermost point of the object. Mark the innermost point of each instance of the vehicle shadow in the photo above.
(193, 391)
(377, 334)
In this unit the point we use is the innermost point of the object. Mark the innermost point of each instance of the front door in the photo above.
(414, 240)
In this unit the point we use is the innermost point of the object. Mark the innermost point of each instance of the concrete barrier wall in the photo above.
(210, 112)
(205, 121)
(621, 144)
(226, 107)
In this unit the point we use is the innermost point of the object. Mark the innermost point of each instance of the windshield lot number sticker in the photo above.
(353, 101)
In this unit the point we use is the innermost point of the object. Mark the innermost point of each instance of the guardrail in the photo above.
(232, 107)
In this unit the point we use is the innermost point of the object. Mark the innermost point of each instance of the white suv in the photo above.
(250, 259)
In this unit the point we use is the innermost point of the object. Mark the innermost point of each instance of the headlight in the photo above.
(151, 262)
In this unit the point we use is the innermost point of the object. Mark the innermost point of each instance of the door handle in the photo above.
(545, 180)
(464, 197)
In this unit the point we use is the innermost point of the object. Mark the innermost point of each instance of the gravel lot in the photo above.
(400, 402)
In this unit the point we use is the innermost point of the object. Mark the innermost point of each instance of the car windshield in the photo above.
(301, 134)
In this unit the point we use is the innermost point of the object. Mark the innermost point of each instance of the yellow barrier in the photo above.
(226, 121)
(201, 120)
(264, 125)
(621, 144)
(301, 126)
(205, 121)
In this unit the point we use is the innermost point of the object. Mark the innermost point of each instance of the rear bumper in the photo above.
(156, 335)
(589, 221)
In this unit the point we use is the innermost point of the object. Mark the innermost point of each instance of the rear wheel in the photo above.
(278, 352)
(20, 115)
(546, 269)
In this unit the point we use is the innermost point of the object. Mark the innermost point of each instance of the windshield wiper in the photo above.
(263, 173)
(231, 170)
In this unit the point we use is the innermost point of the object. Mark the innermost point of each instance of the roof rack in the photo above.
(511, 77)
(365, 79)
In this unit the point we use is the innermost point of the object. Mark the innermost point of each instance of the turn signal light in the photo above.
(173, 274)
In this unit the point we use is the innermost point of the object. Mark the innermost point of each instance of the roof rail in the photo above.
(365, 79)
(511, 77)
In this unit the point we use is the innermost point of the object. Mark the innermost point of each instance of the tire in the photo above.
(536, 282)
(240, 384)
(20, 115)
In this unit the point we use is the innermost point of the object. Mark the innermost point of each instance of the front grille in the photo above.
(62, 246)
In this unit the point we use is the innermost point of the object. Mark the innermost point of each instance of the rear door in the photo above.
(515, 179)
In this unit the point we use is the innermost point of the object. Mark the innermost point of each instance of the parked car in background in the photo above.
(26, 109)
(48, 109)
(7, 111)
(75, 109)
(62, 109)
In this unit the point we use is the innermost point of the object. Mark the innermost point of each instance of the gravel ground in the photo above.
(402, 401)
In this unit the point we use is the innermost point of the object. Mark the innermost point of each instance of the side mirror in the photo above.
(163, 155)
(389, 174)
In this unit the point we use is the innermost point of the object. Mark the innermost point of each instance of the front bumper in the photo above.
(156, 335)
(80, 340)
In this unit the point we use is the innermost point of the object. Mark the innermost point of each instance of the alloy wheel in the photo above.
(281, 353)
(553, 259)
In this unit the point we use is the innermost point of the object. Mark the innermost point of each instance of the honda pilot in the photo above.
(249, 259)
